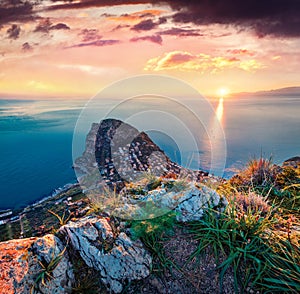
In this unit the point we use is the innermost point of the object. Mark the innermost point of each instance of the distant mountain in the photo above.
(288, 91)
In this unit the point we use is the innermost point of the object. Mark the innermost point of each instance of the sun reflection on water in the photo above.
(220, 110)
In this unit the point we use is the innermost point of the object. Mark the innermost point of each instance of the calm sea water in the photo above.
(36, 141)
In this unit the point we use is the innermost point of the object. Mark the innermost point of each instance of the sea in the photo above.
(36, 141)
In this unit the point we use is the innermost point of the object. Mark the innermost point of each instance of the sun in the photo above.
(222, 92)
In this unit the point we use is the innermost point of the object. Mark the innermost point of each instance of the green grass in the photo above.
(252, 245)
(282, 274)
(153, 232)
(239, 239)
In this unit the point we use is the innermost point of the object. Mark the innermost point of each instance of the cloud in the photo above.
(119, 27)
(268, 17)
(60, 26)
(186, 61)
(154, 38)
(89, 35)
(241, 52)
(181, 32)
(26, 47)
(45, 25)
(15, 11)
(69, 4)
(145, 25)
(148, 24)
(98, 43)
(13, 32)
(276, 18)
(135, 16)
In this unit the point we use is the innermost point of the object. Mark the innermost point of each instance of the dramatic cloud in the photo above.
(89, 35)
(279, 18)
(15, 10)
(154, 38)
(181, 32)
(182, 60)
(69, 4)
(46, 25)
(98, 43)
(13, 32)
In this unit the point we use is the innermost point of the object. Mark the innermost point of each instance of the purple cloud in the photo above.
(181, 32)
(279, 18)
(145, 25)
(13, 32)
(98, 43)
(89, 35)
(46, 25)
(154, 38)
(26, 47)
(15, 11)
(60, 26)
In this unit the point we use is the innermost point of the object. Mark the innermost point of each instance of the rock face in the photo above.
(21, 266)
(113, 254)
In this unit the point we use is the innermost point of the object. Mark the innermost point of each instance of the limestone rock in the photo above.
(21, 266)
(195, 201)
(114, 255)
(190, 203)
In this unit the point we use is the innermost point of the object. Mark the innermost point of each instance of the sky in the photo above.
(73, 49)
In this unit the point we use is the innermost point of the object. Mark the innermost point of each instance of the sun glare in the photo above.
(222, 92)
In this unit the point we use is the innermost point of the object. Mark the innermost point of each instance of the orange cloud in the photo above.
(186, 61)
(133, 17)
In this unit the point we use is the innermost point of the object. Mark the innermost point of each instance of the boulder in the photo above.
(23, 261)
(116, 257)
(195, 201)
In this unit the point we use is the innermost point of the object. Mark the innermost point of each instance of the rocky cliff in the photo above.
(120, 154)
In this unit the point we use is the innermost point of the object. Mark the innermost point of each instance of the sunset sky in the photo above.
(75, 48)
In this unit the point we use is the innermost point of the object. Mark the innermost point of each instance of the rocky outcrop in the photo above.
(189, 200)
(293, 161)
(117, 153)
(26, 266)
(113, 254)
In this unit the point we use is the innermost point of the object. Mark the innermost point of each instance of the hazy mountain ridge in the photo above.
(287, 91)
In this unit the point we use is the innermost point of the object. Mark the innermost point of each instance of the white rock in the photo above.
(114, 255)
